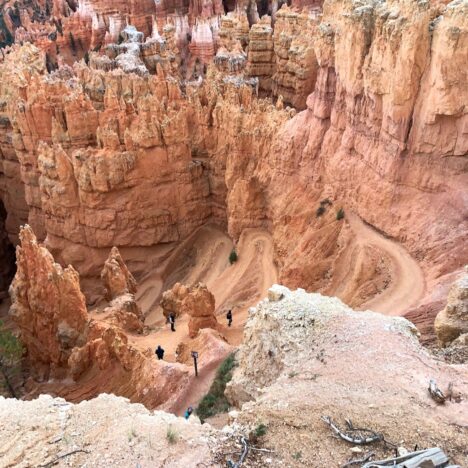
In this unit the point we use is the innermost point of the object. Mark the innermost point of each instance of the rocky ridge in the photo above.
(318, 349)
(305, 356)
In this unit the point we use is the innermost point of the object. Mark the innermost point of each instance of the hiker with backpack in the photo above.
(188, 412)
(229, 317)
(172, 321)
(159, 352)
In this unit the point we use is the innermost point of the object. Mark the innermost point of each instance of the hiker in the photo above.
(188, 412)
(159, 352)
(229, 317)
(172, 321)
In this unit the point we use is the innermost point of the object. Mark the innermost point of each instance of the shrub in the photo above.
(340, 214)
(11, 351)
(297, 456)
(233, 256)
(260, 430)
(320, 211)
(171, 435)
(214, 401)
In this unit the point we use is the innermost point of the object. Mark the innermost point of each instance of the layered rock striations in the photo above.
(111, 158)
(47, 304)
(361, 136)
(261, 56)
(296, 64)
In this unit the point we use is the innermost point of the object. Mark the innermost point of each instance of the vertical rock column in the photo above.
(261, 59)
(47, 305)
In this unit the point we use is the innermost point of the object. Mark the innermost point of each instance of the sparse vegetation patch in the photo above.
(214, 401)
(233, 256)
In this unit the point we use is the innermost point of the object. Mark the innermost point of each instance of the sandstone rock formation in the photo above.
(196, 301)
(317, 349)
(172, 300)
(113, 430)
(306, 356)
(139, 161)
(199, 304)
(296, 64)
(124, 312)
(116, 277)
(452, 322)
(47, 305)
(261, 57)
(207, 343)
(63, 341)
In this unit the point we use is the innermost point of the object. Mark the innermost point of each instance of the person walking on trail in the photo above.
(188, 412)
(159, 352)
(229, 317)
(172, 321)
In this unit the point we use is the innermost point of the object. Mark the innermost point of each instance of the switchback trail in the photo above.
(407, 281)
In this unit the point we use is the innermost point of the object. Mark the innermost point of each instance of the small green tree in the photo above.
(340, 214)
(233, 256)
(260, 430)
(11, 351)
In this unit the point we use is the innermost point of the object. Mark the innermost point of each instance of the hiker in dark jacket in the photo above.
(172, 321)
(159, 352)
(229, 317)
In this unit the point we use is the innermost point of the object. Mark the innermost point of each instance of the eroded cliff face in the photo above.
(363, 141)
(48, 305)
(108, 157)
(80, 354)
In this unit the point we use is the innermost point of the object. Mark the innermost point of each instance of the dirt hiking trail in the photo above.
(204, 257)
(407, 283)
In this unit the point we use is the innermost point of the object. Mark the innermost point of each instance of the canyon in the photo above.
(176, 159)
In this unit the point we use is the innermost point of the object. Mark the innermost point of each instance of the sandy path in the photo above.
(237, 286)
(254, 270)
(407, 284)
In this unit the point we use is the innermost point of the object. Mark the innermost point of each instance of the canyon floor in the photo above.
(203, 257)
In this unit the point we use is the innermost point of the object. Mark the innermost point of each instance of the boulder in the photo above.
(452, 321)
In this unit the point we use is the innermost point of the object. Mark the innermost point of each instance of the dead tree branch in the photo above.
(53, 462)
(245, 451)
(355, 436)
(436, 393)
(359, 460)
